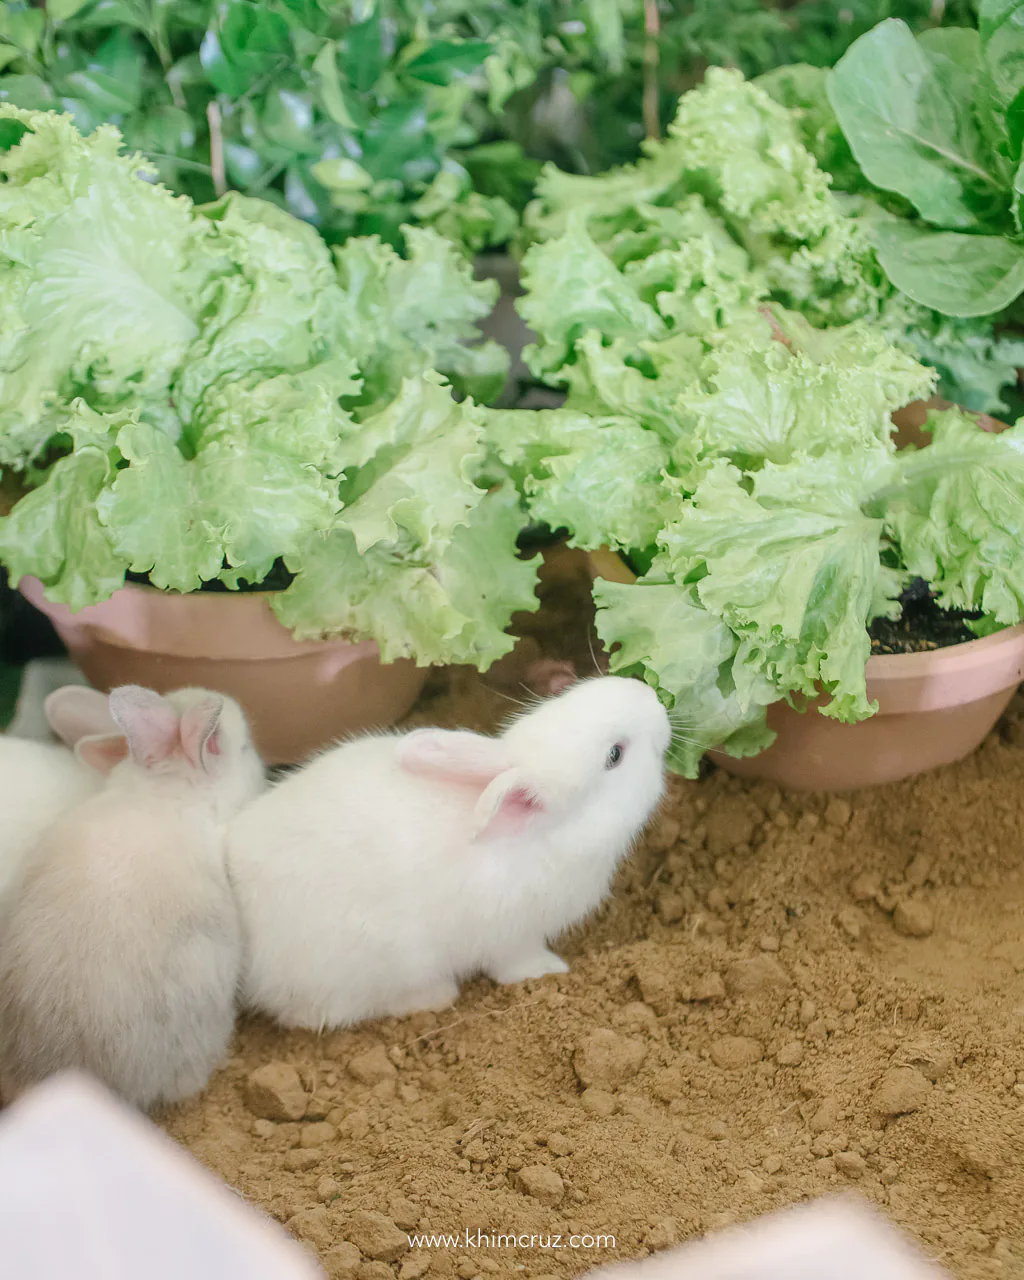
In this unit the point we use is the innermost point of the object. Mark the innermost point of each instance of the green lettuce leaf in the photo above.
(416, 459)
(820, 392)
(571, 286)
(794, 568)
(661, 633)
(278, 309)
(958, 516)
(100, 280)
(54, 532)
(401, 316)
(600, 478)
(455, 609)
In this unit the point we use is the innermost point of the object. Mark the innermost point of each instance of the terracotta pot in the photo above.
(933, 708)
(299, 696)
(910, 420)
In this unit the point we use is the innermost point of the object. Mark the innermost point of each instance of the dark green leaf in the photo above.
(11, 133)
(25, 27)
(111, 83)
(993, 14)
(288, 120)
(363, 53)
(61, 10)
(246, 43)
(959, 275)
(442, 62)
(397, 140)
(908, 117)
(27, 91)
(1015, 125)
(339, 103)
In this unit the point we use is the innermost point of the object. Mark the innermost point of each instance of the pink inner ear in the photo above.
(506, 809)
(199, 732)
(102, 753)
(518, 803)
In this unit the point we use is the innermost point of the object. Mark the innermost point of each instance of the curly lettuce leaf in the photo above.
(600, 478)
(658, 631)
(572, 286)
(603, 380)
(802, 89)
(277, 310)
(816, 392)
(958, 516)
(452, 609)
(54, 532)
(402, 316)
(101, 277)
(416, 462)
(794, 568)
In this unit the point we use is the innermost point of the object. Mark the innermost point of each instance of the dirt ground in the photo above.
(785, 997)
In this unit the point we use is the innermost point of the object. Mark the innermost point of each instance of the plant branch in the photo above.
(652, 27)
(220, 185)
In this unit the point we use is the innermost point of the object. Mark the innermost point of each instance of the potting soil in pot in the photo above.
(785, 997)
(921, 625)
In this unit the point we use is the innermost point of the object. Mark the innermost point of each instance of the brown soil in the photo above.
(785, 997)
(921, 624)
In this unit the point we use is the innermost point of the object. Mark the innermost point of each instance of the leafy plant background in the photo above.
(363, 115)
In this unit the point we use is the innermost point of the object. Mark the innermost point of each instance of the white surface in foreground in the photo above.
(834, 1239)
(91, 1190)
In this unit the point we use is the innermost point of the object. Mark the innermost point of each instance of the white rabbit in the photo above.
(387, 869)
(41, 781)
(119, 952)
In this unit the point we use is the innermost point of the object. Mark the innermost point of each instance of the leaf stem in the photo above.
(652, 27)
(220, 185)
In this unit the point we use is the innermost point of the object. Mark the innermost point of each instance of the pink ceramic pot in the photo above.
(933, 708)
(299, 696)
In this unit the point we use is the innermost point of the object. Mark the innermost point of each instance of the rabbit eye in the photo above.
(614, 756)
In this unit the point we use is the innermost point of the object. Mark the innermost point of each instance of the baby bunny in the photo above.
(41, 781)
(119, 952)
(374, 879)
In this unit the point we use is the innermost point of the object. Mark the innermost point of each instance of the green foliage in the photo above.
(206, 396)
(363, 115)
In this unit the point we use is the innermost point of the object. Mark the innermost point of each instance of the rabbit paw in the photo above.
(527, 964)
(439, 996)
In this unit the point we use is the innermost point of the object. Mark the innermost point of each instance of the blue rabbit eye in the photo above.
(614, 756)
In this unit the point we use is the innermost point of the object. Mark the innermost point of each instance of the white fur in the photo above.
(41, 781)
(119, 952)
(373, 880)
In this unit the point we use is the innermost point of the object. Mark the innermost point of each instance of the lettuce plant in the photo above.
(739, 456)
(205, 396)
(937, 120)
(735, 171)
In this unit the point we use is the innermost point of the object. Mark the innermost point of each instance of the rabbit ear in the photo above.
(507, 806)
(74, 713)
(454, 754)
(149, 723)
(200, 732)
(102, 751)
